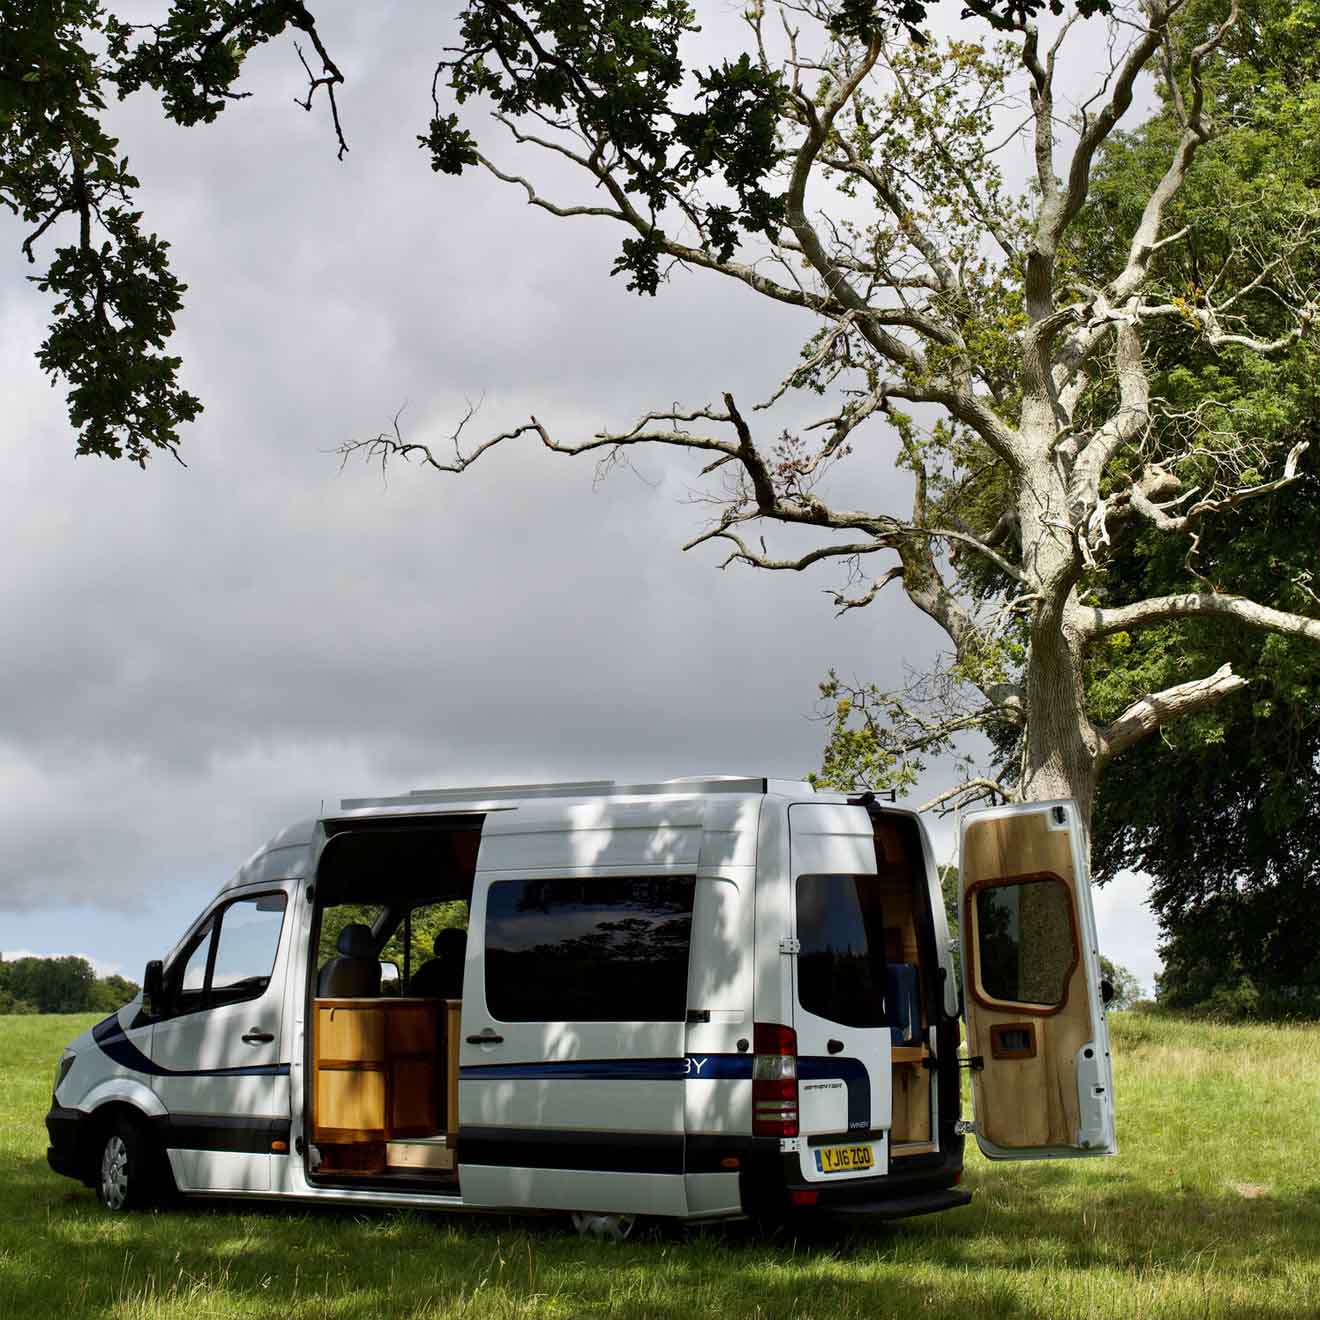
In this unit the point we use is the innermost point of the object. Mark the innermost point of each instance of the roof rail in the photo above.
(571, 789)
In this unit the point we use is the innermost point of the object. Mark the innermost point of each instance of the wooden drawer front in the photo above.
(411, 1029)
(412, 1097)
(350, 1034)
(350, 1101)
(418, 1155)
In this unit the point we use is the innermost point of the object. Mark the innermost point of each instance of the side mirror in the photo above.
(1106, 991)
(153, 986)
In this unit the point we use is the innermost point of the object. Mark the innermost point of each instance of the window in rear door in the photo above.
(841, 960)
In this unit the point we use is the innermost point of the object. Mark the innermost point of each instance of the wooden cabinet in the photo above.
(376, 1066)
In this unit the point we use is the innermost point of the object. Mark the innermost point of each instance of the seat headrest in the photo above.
(356, 941)
(450, 943)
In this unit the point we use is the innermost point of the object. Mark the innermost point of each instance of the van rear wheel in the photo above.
(126, 1168)
(613, 1228)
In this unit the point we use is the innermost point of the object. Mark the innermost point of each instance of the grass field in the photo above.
(1212, 1209)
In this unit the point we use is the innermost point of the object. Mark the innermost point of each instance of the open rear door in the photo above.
(1036, 1031)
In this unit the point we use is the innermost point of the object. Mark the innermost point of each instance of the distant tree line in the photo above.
(60, 985)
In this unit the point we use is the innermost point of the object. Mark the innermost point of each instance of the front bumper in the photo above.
(68, 1151)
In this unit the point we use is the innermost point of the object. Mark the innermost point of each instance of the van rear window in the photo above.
(589, 950)
(841, 962)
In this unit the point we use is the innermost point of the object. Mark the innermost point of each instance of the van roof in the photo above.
(288, 854)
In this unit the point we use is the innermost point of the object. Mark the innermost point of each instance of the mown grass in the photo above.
(1211, 1210)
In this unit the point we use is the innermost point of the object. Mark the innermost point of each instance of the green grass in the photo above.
(1212, 1209)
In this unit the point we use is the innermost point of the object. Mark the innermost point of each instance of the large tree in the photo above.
(959, 331)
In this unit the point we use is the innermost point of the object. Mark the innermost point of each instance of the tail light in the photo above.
(774, 1081)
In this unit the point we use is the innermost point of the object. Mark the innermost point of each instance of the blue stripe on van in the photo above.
(112, 1041)
(718, 1067)
(601, 1070)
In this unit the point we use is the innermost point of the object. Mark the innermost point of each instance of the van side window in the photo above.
(841, 964)
(248, 942)
(589, 950)
(1026, 948)
(232, 955)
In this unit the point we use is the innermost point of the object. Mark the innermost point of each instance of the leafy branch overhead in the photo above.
(114, 296)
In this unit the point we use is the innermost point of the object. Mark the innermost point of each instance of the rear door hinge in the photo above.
(964, 1129)
(975, 1064)
(789, 945)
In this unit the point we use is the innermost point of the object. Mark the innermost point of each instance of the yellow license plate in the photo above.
(844, 1159)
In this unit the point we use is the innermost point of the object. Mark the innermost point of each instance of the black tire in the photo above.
(127, 1167)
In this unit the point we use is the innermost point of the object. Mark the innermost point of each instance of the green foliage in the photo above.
(1127, 989)
(863, 750)
(112, 992)
(59, 985)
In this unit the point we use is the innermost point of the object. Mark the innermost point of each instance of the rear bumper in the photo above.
(773, 1184)
(67, 1153)
(904, 1207)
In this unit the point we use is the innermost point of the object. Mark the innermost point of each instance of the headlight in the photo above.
(62, 1068)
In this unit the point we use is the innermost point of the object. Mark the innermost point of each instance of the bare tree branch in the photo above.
(1143, 717)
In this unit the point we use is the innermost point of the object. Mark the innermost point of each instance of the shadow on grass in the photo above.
(59, 1248)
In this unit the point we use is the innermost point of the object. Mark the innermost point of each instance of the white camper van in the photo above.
(700, 999)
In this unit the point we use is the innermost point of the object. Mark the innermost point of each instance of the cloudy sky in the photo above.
(195, 656)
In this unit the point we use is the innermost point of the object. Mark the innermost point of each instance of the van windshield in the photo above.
(841, 962)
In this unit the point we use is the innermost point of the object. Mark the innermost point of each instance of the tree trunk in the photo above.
(1060, 755)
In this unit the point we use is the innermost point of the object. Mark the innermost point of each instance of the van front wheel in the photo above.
(124, 1172)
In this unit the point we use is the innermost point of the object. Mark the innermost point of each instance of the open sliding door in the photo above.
(1041, 1082)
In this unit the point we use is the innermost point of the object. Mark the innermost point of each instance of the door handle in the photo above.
(255, 1036)
(487, 1037)
(834, 1046)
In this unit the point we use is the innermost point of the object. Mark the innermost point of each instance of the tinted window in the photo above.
(592, 950)
(841, 964)
(1024, 942)
(249, 940)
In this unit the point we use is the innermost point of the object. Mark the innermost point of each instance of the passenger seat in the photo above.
(356, 973)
